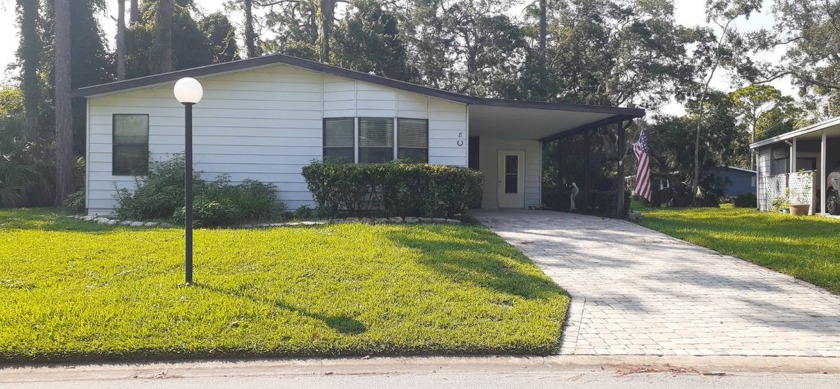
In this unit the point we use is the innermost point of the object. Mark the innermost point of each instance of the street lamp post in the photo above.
(188, 91)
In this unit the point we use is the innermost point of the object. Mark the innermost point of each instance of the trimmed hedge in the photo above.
(393, 189)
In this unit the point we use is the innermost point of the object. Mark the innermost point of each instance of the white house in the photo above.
(796, 166)
(266, 118)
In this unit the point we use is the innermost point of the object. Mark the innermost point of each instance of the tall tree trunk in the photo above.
(543, 31)
(250, 35)
(135, 12)
(29, 53)
(164, 27)
(63, 115)
(327, 17)
(696, 183)
(120, 39)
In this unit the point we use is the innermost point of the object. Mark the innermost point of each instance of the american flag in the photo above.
(643, 169)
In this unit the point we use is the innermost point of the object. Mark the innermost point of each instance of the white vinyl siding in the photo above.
(262, 123)
(489, 165)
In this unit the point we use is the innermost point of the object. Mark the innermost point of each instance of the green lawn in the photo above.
(807, 248)
(74, 290)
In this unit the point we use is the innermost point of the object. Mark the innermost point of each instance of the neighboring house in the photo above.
(266, 118)
(794, 166)
(738, 181)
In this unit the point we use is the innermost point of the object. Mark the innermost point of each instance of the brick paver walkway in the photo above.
(639, 292)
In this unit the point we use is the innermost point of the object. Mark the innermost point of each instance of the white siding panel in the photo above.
(489, 165)
(264, 124)
(448, 131)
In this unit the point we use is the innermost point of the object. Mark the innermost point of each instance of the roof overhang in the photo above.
(542, 124)
(831, 127)
(503, 118)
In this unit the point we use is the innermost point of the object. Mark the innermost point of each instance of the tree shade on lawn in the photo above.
(807, 248)
(76, 290)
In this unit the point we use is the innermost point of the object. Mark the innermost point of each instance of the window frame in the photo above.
(357, 133)
(399, 136)
(353, 148)
(394, 136)
(114, 146)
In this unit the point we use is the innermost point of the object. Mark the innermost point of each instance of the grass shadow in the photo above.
(342, 324)
(478, 257)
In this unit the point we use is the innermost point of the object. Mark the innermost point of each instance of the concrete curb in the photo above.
(414, 365)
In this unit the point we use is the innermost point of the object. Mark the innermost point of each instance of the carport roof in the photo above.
(814, 131)
(505, 118)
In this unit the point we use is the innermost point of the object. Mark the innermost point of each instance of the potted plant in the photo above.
(780, 204)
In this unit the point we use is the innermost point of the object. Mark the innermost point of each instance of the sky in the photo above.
(687, 12)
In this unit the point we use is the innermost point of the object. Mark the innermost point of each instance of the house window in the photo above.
(780, 162)
(338, 140)
(130, 145)
(413, 140)
(376, 140)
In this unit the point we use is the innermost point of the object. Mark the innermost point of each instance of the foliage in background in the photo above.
(160, 195)
(25, 166)
(393, 189)
(588, 160)
(806, 32)
(746, 200)
(671, 142)
(338, 290)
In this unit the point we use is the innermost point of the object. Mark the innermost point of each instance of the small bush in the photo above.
(393, 189)
(746, 200)
(160, 195)
(75, 202)
(210, 213)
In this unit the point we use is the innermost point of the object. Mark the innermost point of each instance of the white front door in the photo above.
(511, 179)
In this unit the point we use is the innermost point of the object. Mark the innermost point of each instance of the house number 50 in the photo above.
(460, 139)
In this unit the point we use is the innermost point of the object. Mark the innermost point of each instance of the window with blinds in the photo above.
(130, 154)
(376, 140)
(413, 140)
(338, 140)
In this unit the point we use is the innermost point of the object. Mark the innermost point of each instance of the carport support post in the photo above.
(622, 149)
(823, 174)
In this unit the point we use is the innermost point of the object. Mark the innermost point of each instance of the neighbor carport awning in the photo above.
(545, 122)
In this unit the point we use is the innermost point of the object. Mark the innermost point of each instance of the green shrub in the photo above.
(75, 202)
(393, 189)
(305, 212)
(746, 200)
(210, 213)
(160, 195)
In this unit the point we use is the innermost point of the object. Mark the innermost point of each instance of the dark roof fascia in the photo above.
(265, 61)
(631, 112)
(586, 127)
(337, 71)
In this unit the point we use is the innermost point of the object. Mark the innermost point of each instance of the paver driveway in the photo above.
(639, 292)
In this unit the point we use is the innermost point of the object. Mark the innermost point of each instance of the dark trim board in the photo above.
(245, 64)
(586, 127)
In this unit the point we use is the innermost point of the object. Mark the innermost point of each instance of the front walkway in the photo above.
(639, 292)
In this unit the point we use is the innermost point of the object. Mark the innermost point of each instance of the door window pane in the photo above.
(511, 174)
(511, 164)
(511, 184)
